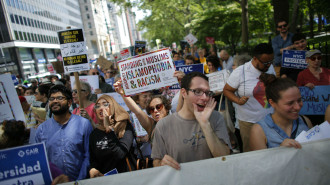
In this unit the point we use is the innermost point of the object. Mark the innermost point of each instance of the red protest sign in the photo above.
(209, 40)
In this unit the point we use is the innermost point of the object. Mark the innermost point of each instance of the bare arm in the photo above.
(216, 146)
(146, 122)
(229, 92)
(258, 139)
(167, 160)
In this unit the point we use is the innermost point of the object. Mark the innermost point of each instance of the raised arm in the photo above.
(145, 121)
(217, 147)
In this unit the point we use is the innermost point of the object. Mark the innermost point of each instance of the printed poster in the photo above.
(73, 50)
(25, 165)
(6, 112)
(217, 80)
(294, 59)
(190, 38)
(148, 71)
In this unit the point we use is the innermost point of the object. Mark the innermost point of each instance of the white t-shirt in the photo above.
(245, 78)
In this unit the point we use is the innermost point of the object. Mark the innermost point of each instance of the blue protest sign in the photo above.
(315, 101)
(179, 63)
(294, 59)
(190, 68)
(15, 80)
(25, 165)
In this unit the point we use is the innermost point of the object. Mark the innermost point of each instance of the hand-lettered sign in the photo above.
(315, 101)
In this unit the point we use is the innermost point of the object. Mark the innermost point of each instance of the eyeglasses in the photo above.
(319, 58)
(95, 73)
(282, 26)
(99, 105)
(266, 63)
(199, 92)
(159, 107)
(59, 98)
(76, 91)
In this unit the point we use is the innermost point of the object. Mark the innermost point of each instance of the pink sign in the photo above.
(51, 69)
(124, 53)
(209, 40)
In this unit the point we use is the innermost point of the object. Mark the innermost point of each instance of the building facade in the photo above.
(28, 35)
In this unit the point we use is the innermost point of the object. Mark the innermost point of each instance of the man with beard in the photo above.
(281, 42)
(250, 92)
(65, 135)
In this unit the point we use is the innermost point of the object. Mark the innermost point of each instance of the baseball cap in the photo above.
(312, 52)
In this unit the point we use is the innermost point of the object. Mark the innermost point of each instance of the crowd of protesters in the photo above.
(180, 125)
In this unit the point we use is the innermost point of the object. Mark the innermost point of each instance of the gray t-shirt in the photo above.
(184, 139)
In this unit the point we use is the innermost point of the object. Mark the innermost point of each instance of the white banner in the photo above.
(217, 80)
(282, 165)
(147, 72)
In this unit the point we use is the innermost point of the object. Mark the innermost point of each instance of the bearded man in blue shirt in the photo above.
(65, 135)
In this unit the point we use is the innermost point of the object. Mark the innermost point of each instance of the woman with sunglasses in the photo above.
(158, 107)
(314, 74)
(110, 143)
(281, 127)
(85, 93)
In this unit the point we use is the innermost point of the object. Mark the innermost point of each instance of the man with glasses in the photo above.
(196, 132)
(281, 42)
(244, 88)
(65, 135)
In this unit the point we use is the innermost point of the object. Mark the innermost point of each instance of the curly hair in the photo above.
(165, 101)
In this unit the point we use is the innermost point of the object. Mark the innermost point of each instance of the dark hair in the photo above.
(165, 101)
(189, 57)
(186, 80)
(297, 37)
(275, 85)
(44, 88)
(281, 20)
(101, 78)
(262, 48)
(214, 60)
(60, 88)
(14, 134)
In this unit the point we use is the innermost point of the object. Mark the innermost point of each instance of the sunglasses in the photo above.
(319, 58)
(159, 107)
(95, 73)
(266, 63)
(76, 91)
(99, 105)
(283, 26)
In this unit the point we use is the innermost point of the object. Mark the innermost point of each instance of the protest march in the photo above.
(194, 111)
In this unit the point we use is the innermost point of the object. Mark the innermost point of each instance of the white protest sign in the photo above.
(140, 131)
(73, 50)
(190, 38)
(10, 106)
(318, 132)
(93, 81)
(217, 80)
(148, 71)
(118, 99)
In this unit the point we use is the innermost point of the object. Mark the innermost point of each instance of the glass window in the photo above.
(16, 4)
(16, 35)
(20, 35)
(8, 3)
(25, 53)
(25, 22)
(35, 37)
(20, 4)
(24, 36)
(50, 54)
(91, 32)
(29, 36)
(16, 19)
(12, 18)
(28, 21)
(21, 20)
(87, 15)
(86, 8)
(89, 25)
(39, 53)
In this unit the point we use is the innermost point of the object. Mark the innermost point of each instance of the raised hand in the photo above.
(118, 87)
(203, 116)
